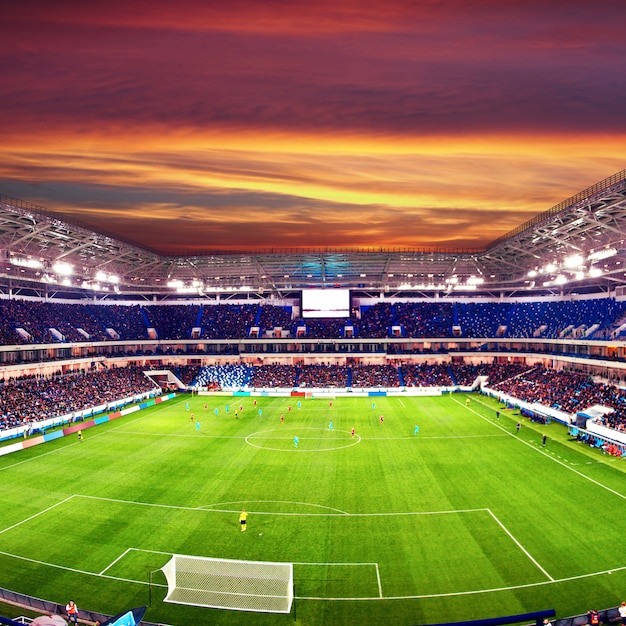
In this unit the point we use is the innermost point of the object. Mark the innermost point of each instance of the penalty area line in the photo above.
(37, 514)
(121, 556)
(75, 570)
(520, 546)
(335, 599)
(345, 564)
(380, 587)
(453, 594)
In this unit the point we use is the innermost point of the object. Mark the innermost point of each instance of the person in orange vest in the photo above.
(72, 611)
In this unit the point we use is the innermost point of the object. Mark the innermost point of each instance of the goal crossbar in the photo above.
(261, 586)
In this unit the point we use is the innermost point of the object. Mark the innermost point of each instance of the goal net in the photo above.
(229, 584)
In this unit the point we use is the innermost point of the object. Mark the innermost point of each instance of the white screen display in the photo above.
(325, 303)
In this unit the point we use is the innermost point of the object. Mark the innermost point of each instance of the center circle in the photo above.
(299, 440)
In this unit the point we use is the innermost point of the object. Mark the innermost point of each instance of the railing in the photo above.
(537, 617)
(607, 616)
(46, 607)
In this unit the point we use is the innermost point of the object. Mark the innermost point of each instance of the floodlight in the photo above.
(467, 287)
(605, 253)
(103, 277)
(572, 261)
(30, 263)
(63, 269)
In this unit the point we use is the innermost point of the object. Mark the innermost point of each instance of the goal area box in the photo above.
(260, 586)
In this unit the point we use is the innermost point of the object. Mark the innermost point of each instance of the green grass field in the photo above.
(464, 520)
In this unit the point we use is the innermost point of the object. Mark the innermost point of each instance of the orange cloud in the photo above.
(201, 125)
(447, 193)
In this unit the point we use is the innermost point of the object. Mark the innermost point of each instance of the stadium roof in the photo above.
(576, 246)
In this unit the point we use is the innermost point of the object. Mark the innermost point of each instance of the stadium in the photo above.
(417, 436)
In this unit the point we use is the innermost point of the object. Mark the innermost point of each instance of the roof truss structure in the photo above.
(574, 247)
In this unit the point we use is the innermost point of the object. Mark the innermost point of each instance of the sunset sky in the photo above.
(195, 126)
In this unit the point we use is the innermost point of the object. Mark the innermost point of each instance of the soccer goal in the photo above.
(229, 584)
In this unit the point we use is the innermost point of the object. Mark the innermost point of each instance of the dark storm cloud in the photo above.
(496, 75)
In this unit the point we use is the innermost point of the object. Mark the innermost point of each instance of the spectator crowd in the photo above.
(31, 399)
(35, 322)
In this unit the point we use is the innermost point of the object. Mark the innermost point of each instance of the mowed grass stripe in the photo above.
(451, 541)
(381, 501)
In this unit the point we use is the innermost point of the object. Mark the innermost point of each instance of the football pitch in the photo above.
(463, 518)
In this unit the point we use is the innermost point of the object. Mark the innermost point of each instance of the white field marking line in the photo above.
(151, 551)
(476, 591)
(33, 458)
(520, 546)
(353, 441)
(119, 558)
(320, 506)
(551, 579)
(341, 514)
(380, 587)
(38, 456)
(375, 565)
(158, 506)
(417, 437)
(284, 437)
(323, 564)
(77, 571)
(402, 403)
(304, 450)
(139, 417)
(288, 437)
(37, 514)
(548, 456)
(194, 436)
(413, 597)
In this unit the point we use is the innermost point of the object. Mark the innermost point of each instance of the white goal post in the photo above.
(229, 584)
